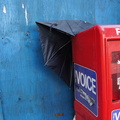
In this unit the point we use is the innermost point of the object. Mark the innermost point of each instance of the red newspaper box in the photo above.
(96, 57)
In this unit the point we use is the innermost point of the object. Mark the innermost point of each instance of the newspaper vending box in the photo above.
(96, 57)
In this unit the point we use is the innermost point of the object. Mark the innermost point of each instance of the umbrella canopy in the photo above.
(56, 37)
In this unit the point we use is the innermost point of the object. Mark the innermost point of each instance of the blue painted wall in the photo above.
(30, 90)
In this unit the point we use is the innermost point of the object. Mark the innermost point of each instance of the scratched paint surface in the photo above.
(30, 90)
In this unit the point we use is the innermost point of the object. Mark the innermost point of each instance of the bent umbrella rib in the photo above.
(56, 52)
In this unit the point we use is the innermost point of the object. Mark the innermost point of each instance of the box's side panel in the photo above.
(89, 56)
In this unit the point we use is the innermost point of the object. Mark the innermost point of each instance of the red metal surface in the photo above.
(94, 49)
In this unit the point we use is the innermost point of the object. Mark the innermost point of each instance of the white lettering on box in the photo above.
(117, 31)
(116, 114)
(85, 81)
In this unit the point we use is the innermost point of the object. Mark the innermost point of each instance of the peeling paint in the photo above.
(26, 16)
(4, 9)
(23, 6)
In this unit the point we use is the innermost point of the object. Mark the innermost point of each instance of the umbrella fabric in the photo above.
(56, 37)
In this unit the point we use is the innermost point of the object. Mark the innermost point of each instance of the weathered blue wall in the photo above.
(30, 90)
